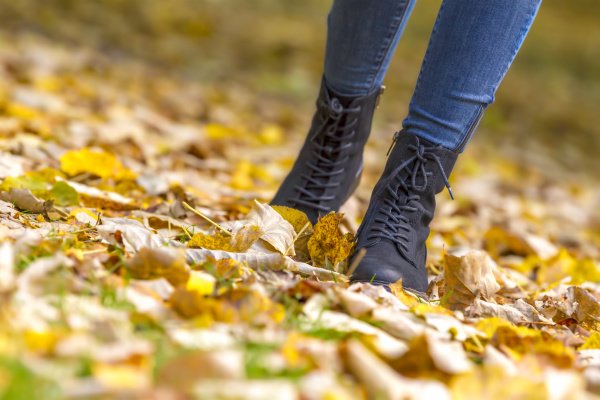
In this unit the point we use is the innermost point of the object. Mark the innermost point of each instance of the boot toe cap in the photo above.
(383, 265)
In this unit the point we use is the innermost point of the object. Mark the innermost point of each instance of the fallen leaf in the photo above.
(467, 277)
(238, 242)
(276, 231)
(593, 342)
(99, 163)
(24, 200)
(150, 264)
(407, 299)
(381, 381)
(327, 242)
(201, 282)
(485, 309)
(184, 372)
(275, 389)
(121, 376)
(432, 356)
(494, 383)
(64, 195)
(298, 219)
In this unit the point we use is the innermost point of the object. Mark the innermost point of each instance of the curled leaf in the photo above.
(467, 277)
(276, 231)
(26, 201)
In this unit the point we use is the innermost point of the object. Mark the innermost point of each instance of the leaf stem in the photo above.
(359, 256)
(296, 238)
(198, 213)
(186, 232)
(93, 251)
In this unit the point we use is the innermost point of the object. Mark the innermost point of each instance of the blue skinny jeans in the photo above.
(472, 45)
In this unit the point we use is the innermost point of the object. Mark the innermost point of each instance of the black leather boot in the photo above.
(396, 224)
(329, 166)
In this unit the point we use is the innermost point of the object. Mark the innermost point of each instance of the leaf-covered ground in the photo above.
(139, 259)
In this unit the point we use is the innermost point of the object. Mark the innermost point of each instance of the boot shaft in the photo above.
(329, 166)
(396, 225)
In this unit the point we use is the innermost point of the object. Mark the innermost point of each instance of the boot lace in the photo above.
(332, 137)
(393, 223)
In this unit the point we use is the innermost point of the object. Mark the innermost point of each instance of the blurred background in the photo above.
(549, 102)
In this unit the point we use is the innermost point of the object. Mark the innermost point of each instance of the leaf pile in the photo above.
(139, 257)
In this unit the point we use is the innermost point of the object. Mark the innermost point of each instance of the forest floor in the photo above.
(113, 284)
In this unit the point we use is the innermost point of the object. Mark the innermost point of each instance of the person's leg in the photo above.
(472, 46)
(362, 36)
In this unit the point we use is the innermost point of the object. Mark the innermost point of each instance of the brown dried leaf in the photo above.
(26, 201)
(183, 372)
(466, 277)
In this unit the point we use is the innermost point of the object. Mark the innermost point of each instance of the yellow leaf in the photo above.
(271, 134)
(519, 341)
(290, 351)
(29, 181)
(584, 270)
(428, 308)
(21, 111)
(158, 263)
(121, 376)
(593, 342)
(216, 131)
(201, 282)
(191, 304)
(233, 306)
(239, 242)
(492, 383)
(225, 268)
(218, 241)
(84, 215)
(498, 241)
(105, 203)
(48, 83)
(328, 242)
(556, 268)
(488, 326)
(242, 176)
(99, 163)
(406, 299)
(42, 341)
(563, 265)
(295, 217)
(228, 268)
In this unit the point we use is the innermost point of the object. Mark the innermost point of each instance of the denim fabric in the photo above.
(472, 45)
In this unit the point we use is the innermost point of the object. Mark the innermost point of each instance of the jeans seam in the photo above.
(390, 38)
(471, 127)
